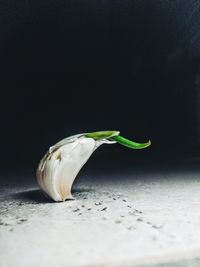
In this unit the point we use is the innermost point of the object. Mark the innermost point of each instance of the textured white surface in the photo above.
(130, 221)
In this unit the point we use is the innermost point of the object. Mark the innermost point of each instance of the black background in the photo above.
(76, 66)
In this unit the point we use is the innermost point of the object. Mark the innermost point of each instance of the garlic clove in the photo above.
(61, 164)
(63, 161)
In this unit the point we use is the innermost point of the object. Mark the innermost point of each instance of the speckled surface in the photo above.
(136, 220)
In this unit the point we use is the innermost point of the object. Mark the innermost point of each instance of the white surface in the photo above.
(148, 219)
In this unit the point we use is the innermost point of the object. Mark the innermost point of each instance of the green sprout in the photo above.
(114, 136)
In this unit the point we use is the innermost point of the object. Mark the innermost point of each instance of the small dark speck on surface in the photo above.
(124, 200)
(83, 206)
(128, 206)
(89, 209)
(118, 221)
(105, 208)
(122, 216)
(23, 220)
(114, 198)
(4, 224)
(76, 210)
(139, 219)
(131, 228)
(157, 226)
(138, 211)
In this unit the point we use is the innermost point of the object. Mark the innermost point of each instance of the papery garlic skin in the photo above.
(61, 164)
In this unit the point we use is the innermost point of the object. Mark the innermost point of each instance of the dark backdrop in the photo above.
(78, 66)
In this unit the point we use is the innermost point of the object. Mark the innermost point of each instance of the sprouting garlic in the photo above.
(61, 164)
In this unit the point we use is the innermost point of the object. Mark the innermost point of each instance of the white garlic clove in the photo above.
(61, 164)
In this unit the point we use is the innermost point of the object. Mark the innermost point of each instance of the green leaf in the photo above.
(102, 135)
(128, 143)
